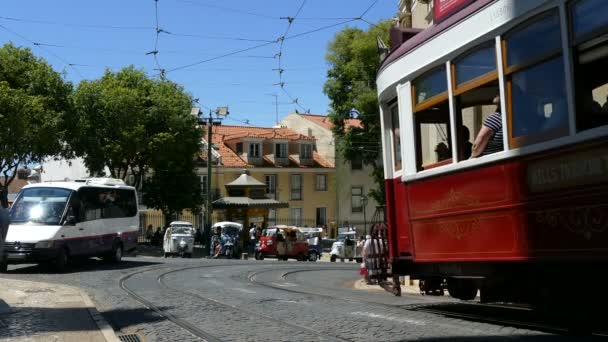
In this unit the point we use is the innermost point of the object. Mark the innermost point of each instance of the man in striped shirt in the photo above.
(489, 138)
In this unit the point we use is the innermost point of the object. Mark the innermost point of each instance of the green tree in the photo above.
(138, 127)
(351, 87)
(34, 106)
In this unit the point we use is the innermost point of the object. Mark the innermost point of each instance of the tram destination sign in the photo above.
(582, 168)
(443, 9)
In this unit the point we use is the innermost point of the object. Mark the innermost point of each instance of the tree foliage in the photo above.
(351, 87)
(34, 107)
(136, 126)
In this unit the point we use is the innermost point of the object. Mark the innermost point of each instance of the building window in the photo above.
(356, 194)
(296, 187)
(321, 183)
(204, 184)
(280, 150)
(356, 164)
(590, 54)
(534, 70)
(321, 219)
(254, 150)
(271, 186)
(295, 216)
(272, 217)
(239, 148)
(306, 151)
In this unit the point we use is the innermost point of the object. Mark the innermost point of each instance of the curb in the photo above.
(102, 324)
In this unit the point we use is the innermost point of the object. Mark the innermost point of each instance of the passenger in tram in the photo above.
(443, 152)
(489, 138)
(467, 146)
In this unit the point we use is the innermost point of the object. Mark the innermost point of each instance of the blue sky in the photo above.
(93, 35)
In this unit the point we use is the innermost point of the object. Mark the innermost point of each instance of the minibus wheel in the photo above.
(62, 260)
(3, 267)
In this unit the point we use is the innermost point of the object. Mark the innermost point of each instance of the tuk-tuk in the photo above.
(313, 236)
(345, 246)
(179, 239)
(282, 242)
(226, 240)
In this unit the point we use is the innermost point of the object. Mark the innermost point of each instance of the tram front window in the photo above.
(590, 61)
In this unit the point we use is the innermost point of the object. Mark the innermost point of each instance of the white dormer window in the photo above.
(280, 150)
(254, 150)
(306, 151)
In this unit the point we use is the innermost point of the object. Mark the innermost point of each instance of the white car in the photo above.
(179, 239)
(345, 248)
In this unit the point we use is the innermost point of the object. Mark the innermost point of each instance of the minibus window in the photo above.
(40, 205)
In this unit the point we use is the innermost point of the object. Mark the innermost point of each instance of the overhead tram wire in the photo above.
(46, 22)
(42, 47)
(228, 9)
(154, 52)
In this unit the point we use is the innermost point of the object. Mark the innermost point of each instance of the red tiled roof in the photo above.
(324, 121)
(223, 134)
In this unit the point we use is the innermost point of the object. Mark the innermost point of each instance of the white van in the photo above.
(51, 222)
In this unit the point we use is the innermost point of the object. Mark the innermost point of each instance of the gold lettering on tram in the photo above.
(458, 230)
(584, 168)
(580, 220)
(455, 199)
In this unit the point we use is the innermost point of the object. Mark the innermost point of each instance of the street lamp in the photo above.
(364, 200)
(220, 113)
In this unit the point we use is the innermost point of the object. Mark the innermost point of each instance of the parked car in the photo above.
(313, 237)
(345, 247)
(282, 242)
(179, 239)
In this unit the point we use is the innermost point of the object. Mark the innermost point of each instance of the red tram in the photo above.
(529, 221)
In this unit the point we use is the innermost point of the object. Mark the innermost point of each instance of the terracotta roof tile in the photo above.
(223, 134)
(324, 121)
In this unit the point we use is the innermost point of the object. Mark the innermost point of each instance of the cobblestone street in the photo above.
(229, 300)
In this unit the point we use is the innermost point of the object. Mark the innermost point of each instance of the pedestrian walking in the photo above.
(253, 231)
(149, 234)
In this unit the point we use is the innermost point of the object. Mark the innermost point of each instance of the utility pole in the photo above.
(208, 211)
(220, 113)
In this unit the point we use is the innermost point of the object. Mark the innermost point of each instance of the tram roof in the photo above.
(431, 32)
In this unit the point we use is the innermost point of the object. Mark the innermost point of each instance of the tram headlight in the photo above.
(45, 244)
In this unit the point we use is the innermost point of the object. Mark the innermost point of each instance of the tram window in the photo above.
(473, 108)
(475, 64)
(396, 138)
(536, 91)
(588, 18)
(534, 41)
(431, 84)
(590, 56)
(433, 141)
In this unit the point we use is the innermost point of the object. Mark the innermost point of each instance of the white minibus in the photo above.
(55, 221)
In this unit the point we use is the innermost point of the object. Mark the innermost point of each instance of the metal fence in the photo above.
(156, 220)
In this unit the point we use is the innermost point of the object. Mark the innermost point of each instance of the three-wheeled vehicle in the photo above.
(313, 237)
(345, 246)
(179, 239)
(227, 239)
(282, 242)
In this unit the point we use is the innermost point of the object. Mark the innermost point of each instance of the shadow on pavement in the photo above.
(80, 266)
(514, 337)
(39, 320)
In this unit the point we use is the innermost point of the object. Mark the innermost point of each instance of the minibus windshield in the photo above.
(40, 205)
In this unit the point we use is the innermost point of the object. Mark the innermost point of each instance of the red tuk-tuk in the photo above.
(282, 242)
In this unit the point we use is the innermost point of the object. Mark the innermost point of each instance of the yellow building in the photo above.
(286, 161)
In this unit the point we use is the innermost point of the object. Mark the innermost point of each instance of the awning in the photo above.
(246, 202)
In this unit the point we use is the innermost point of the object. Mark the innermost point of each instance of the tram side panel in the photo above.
(400, 245)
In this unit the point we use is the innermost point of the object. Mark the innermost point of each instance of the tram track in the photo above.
(196, 331)
(444, 309)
